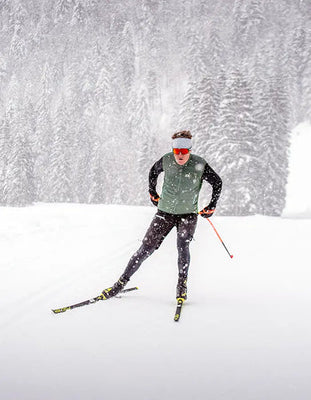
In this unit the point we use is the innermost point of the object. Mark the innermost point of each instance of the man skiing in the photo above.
(177, 207)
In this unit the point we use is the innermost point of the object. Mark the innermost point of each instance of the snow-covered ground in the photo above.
(244, 333)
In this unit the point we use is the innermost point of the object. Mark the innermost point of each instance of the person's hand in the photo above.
(207, 212)
(154, 197)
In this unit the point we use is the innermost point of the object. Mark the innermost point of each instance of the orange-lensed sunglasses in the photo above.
(182, 151)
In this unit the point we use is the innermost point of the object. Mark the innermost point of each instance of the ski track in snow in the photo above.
(243, 334)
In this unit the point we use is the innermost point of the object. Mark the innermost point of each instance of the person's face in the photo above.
(180, 158)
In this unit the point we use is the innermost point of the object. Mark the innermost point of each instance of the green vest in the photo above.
(182, 184)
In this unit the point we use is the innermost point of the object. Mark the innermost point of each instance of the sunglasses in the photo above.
(182, 151)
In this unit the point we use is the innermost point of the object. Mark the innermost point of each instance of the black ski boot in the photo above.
(115, 289)
(181, 291)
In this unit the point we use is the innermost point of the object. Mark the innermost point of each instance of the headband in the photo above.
(181, 143)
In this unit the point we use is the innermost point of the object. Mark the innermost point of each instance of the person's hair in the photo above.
(182, 134)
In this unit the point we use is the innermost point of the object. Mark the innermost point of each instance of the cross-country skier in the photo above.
(177, 206)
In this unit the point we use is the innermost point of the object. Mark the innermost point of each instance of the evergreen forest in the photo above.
(92, 90)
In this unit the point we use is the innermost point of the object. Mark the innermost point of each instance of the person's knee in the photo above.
(151, 245)
(183, 242)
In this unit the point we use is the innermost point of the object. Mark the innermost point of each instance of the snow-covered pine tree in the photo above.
(274, 136)
(190, 109)
(59, 174)
(254, 22)
(79, 14)
(19, 178)
(298, 54)
(235, 150)
(142, 136)
(62, 8)
(98, 188)
(83, 149)
(18, 21)
(4, 151)
(207, 115)
(126, 64)
(43, 131)
(103, 89)
(306, 88)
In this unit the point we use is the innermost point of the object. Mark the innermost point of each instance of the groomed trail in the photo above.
(244, 333)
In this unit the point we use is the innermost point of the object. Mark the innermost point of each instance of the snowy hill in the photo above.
(298, 191)
(244, 333)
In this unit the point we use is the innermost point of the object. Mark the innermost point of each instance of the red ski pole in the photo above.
(231, 256)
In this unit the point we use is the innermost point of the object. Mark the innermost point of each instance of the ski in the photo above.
(180, 302)
(87, 302)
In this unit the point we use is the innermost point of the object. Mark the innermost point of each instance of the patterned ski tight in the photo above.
(159, 228)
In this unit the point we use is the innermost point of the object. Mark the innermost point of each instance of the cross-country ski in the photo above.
(87, 302)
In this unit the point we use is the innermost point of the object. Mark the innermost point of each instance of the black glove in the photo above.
(207, 212)
(154, 197)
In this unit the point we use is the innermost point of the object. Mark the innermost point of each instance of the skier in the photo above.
(177, 206)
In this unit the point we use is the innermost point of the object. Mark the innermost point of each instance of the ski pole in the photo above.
(231, 256)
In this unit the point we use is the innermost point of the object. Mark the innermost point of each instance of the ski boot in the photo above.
(113, 290)
(181, 291)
